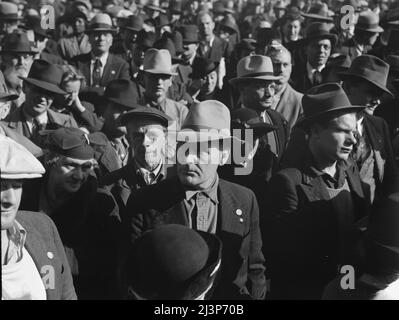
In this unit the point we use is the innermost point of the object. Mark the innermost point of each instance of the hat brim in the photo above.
(110, 30)
(189, 135)
(306, 121)
(375, 30)
(332, 37)
(18, 51)
(8, 97)
(239, 80)
(44, 85)
(160, 72)
(318, 17)
(129, 104)
(132, 29)
(18, 176)
(347, 74)
(155, 8)
(134, 114)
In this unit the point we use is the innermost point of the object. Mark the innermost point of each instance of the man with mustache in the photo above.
(313, 206)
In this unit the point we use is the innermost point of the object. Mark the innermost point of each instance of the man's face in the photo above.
(138, 54)
(8, 27)
(101, 41)
(112, 122)
(79, 25)
(210, 82)
(363, 93)
(156, 86)
(291, 30)
(197, 163)
(69, 174)
(20, 61)
(72, 88)
(373, 38)
(206, 25)
(10, 198)
(318, 52)
(282, 67)
(258, 94)
(147, 139)
(190, 50)
(337, 140)
(4, 109)
(129, 38)
(37, 101)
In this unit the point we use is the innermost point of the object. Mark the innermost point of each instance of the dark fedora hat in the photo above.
(46, 76)
(146, 39)
(371, 69)
(189, 33)
(229, 23)
(323, 100)
(161, 21)
(319, 12)
(9, 12)
(122, 92)
(340, 62)
(133, 23)
(246, 118)
(146, 112)
(369, 21)
(173, 262)
(202, 67)
(318, 31)
(16, 42)
(175, 7)
(167, 43)
(264, 36)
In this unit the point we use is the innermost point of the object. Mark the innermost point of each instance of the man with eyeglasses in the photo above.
(86, 216)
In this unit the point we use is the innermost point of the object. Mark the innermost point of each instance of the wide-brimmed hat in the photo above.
(46, 76)
(146, 112)
(173, 262)
(133, 23)
(17, 42)
(158, 62)
(318, 31)
(9, 12)
(246, 118)
(368, 21)
(189, 33)
(369, 68)
(320, 12)
(122, 92)
(206, 121)
(101, 22)
(16, 162)
(202, 67)
(322, 100)
(254, 67)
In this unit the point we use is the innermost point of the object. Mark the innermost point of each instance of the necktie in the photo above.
(97, 73)
(317, 78)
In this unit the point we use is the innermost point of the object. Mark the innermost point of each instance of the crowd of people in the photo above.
(199, 149)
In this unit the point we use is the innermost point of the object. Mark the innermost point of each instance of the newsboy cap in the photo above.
(16, 162)
(146, 112)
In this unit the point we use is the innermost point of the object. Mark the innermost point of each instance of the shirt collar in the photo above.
(211, 192)
(311, 70)
(103, 59)
(157, 172)
(17, 236)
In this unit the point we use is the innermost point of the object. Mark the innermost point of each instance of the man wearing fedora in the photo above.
(146, 133)
(35, 115)
(256, 83)
(197, 198)
(365, 83)
(318, 44)
(100, 66)
(157, 79)
(367, 30)
(9, 18)
(313, 206)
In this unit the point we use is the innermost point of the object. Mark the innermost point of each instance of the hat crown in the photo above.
(319, 9)
(157, 61)
(101, 21)
(208, 115)
(16, 42)
(134, 22)
(122, 90)
(254, 65)
(202, 67)
(371, 68)
(189, 33)
(45, 71)
(8, 8)
(317, 29)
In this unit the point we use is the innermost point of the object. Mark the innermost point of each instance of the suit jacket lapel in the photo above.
(107, 69)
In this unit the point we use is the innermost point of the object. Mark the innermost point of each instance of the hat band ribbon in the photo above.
(9, 16)
(100, 26)
(368, 26)
(196, 127)
(257, 74)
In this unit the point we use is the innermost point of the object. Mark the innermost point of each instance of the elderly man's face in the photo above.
(282, 66)
(20, 61)
(206, 25)
(147, 139)
(101, 42)
(156, 86)
(336, 141)
(69, 174)
(10, 198)
(197, 163)
(37, 101)
(258, 94)
(291, 30)
(318, 52)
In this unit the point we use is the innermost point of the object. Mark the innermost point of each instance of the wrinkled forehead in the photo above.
(74, 161)
(145, 125)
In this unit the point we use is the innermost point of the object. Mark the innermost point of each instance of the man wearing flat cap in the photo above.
(82, 212)
(30, 243)
(197, 198)
(35, 115)
(146, 133)
(313, 206)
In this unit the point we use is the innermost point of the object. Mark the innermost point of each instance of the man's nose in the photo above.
(8, 197)
(191, 158)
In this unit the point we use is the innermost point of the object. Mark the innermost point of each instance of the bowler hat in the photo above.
(16, 162)
(175, 7)
(46, 76)
(208, 120)
(9, 11)
(319, 12)
(173, 262)
(254, 67)
(369, 68)
(158, 62)
(368, 21)
(122, 92)
(101, 23)
(246, 118)
(323, 100)
(134, 23)
(189, 33)
(202, 67)
(16, 42)
(70, 142)
(218, 8)
(318, 31)
(146, 112)
(293, 13)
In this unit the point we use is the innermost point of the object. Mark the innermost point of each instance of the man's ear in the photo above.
(224, 156)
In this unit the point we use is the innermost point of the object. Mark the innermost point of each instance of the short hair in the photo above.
(50, 159)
